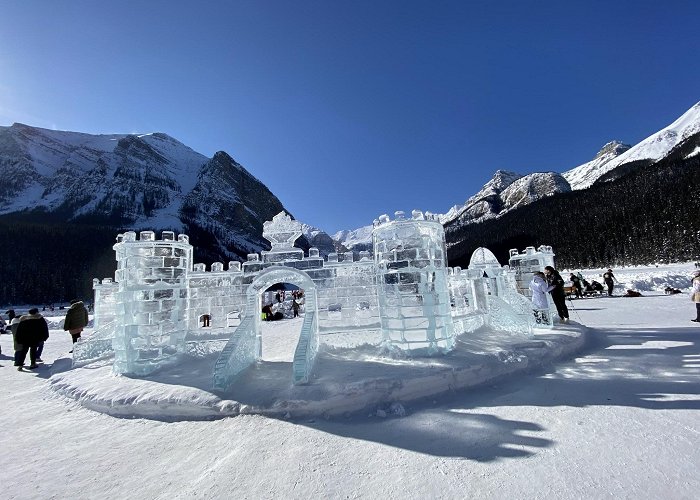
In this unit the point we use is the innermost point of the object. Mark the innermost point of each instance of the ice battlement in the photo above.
(529, 251)
(104, 282)
(400, 216)
(150, 237)
(217, 267)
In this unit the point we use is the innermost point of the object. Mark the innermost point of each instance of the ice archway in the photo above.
(245, 346)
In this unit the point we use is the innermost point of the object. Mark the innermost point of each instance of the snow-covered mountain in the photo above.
(505, 192)
(137, 181)
(585, 175)
(358, 239)
(320, 239)
(481, 203)
(653, 148)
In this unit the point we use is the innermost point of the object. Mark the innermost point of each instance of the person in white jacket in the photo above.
(540, 305)
(695, 295)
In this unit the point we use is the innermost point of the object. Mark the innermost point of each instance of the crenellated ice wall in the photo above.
(404, 294)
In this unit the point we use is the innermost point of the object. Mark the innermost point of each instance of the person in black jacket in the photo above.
(31, 332)
(608, 277)
(556, 289)
(577, 285)
(76, 319)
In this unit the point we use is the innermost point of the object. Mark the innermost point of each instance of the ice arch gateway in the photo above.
(245, 346)
(402, 295)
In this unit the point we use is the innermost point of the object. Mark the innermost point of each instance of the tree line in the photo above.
(53, 262)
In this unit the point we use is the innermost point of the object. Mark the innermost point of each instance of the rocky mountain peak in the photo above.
(502, 179)
(613, 147)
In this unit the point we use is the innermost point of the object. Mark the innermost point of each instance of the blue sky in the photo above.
(347, 110)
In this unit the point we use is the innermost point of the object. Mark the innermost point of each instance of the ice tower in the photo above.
(151, 303)
(414, 297)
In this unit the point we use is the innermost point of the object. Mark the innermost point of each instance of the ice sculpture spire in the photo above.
(282, 231)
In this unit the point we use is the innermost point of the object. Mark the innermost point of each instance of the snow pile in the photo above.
(645, 278)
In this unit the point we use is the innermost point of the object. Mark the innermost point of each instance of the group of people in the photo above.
(272, 312)
(550, 281)
(581, 285)
(30, 331)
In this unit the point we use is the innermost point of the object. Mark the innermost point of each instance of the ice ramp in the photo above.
(94, 347)
(243, 349)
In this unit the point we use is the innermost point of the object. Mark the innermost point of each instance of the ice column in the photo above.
(151, 301)
(414, 298)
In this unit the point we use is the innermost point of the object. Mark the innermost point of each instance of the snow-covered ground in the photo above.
(617, 421)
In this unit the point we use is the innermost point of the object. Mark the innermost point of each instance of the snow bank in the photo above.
(345, 381)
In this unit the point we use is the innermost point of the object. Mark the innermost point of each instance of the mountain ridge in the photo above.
(140, 181)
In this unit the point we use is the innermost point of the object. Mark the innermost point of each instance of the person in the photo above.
(695, 295)
(538, 286)
(76, 319)
(31, 331)
(556, 289)
(10, 315)
(295, 307)
(596, 286)
(205, 320)
(267, 312)
(17, 346)
(608, 278)
(577, 285)
(3, 325)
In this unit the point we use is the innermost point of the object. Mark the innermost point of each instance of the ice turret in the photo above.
(414, 298)
(151, 301)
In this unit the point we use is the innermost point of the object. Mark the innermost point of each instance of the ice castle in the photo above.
(403, 292)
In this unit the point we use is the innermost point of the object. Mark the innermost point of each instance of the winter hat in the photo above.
(696, 273)
(539, 273)
(33, 310)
